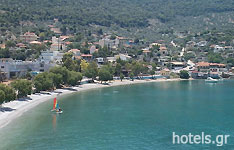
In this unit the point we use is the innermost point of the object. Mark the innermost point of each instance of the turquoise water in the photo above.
(131, 117)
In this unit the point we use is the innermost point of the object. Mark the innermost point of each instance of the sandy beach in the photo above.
(12, 110)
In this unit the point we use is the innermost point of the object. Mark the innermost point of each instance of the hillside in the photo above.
(75, 14)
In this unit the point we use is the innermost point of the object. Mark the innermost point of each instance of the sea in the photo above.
(147, 116)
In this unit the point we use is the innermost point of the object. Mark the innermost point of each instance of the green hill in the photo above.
(121, 13)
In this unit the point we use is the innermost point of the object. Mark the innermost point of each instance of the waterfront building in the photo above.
(18, 68)
(177, 65)
(211, 67)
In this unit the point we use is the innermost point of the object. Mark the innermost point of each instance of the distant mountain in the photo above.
(123, 13)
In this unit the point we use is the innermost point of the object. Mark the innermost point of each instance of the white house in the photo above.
(202, 43)
(18, 68)
(109, 43)
(218, 48)
(100, 60)
(123, 57)
(51, 57)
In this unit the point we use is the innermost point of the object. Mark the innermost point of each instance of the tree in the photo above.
(104, 52)
(74, 78)
(91, 71)
(9, 92)
(4, 53)
(184, 74)
(67, 61)
(113, 37)
(28, 76)
(10, 44)
(2, 97)
(136, 41)
(56, 78)
(43, 82)
(152, 72)
(62, 71)
(100, 32)
(42, 36)
(137, 68)
(132, 76)
(188, 56)
(23, 87)
(84, 66)
(105, 75)
(155, 48)
(215, 58)
(121, 77)
(118, 69)
(2, 76)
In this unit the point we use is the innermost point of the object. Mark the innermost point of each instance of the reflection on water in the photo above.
(54, 119)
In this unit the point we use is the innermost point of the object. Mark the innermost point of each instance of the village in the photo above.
(161, 59)
(157, 54)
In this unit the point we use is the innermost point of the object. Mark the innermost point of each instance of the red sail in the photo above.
(55, 102)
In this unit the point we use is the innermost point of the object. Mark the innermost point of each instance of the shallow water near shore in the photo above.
(129, 117)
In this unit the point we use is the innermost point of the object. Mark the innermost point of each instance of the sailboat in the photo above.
(211, 80)
(56, 107)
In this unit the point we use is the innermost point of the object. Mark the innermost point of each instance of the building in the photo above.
(51, 57)
(155, 44)
(111, 59)
(211, 67)
(177, 65)
(232, 69)
(76, 52)
(35, 42)
(21, 45)
(28, 37)
(56, 30)
(199, 75)
(100, 60)
(163, 50)
(218, 49)
(87, 57)
(18, 68)
(163, 60)
(3, 46)
(122, 40)
(229, 48)
(165, 72)
(109, 43)
(57, 44)
(203, 66)
(123, 57)
(215, 67)
(146, 52)
(202, 43)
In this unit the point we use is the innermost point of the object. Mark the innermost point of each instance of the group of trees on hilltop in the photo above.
(124, 13)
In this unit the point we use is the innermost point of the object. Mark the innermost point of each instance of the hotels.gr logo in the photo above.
(219, 140)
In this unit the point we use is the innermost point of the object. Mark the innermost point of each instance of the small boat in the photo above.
(211, 80)
(56, 107)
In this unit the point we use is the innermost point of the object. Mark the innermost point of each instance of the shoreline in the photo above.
(14, 109)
